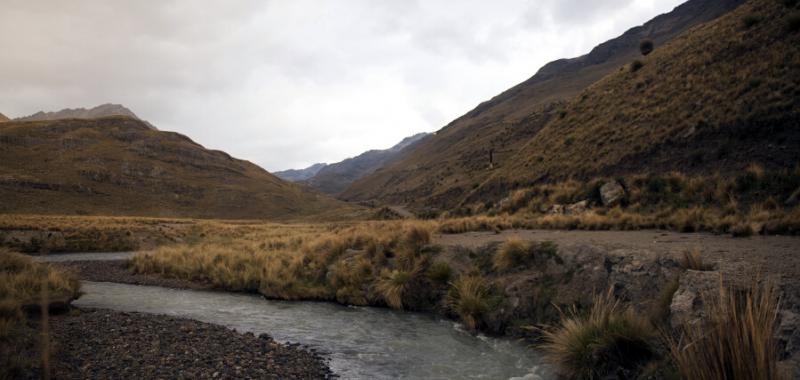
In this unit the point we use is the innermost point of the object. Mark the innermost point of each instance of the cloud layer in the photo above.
(289, 83)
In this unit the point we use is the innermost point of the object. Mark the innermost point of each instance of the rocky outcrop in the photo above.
(611, 193)
(570, 209)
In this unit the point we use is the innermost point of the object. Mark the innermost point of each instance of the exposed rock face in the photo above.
(611, 193)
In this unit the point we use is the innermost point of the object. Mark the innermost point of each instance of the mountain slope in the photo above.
(296, 175)
(719, 98)
(3, 118)
(120, 166)
(448, 166)
(103, 110)
(334, 178)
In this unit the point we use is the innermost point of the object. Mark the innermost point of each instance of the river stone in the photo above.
(611, 193)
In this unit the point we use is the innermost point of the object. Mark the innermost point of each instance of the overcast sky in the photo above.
(289, 83)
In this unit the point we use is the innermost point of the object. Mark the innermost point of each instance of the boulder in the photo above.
(611, 193)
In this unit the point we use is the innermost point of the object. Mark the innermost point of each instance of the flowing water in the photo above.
(361, 342)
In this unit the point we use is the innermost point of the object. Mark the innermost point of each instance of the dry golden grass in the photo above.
(597, 345)
(471, 298)
(736, 343)
(357, 263)
(754, 202)
(24, 282)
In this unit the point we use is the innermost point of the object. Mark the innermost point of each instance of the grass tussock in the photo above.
(737, 342)
(471, 298)
(610, 340)
(515, 253)
(693, 260)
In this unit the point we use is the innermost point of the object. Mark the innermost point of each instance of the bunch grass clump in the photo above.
(737, 342)
(471, 297)
(599, 344)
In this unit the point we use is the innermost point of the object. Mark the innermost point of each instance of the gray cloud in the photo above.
(289, 83)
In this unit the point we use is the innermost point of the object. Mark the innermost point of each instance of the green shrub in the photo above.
(599, 345)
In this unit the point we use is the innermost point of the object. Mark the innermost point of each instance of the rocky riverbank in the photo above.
(109, 344)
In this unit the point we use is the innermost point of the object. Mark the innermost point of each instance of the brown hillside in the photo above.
(3, 118)
(717, 99)
(120, 166)
(448, 166)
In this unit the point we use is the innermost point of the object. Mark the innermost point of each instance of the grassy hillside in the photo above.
(120, 166)
(720, 98)
(447, 167)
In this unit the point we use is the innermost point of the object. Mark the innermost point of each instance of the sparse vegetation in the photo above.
(737, 341)
(635, 66)
(611, 340)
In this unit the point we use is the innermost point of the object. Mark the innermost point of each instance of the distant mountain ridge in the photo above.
(3, 118)
(333, 178)
(103, 110)
(297, 175)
